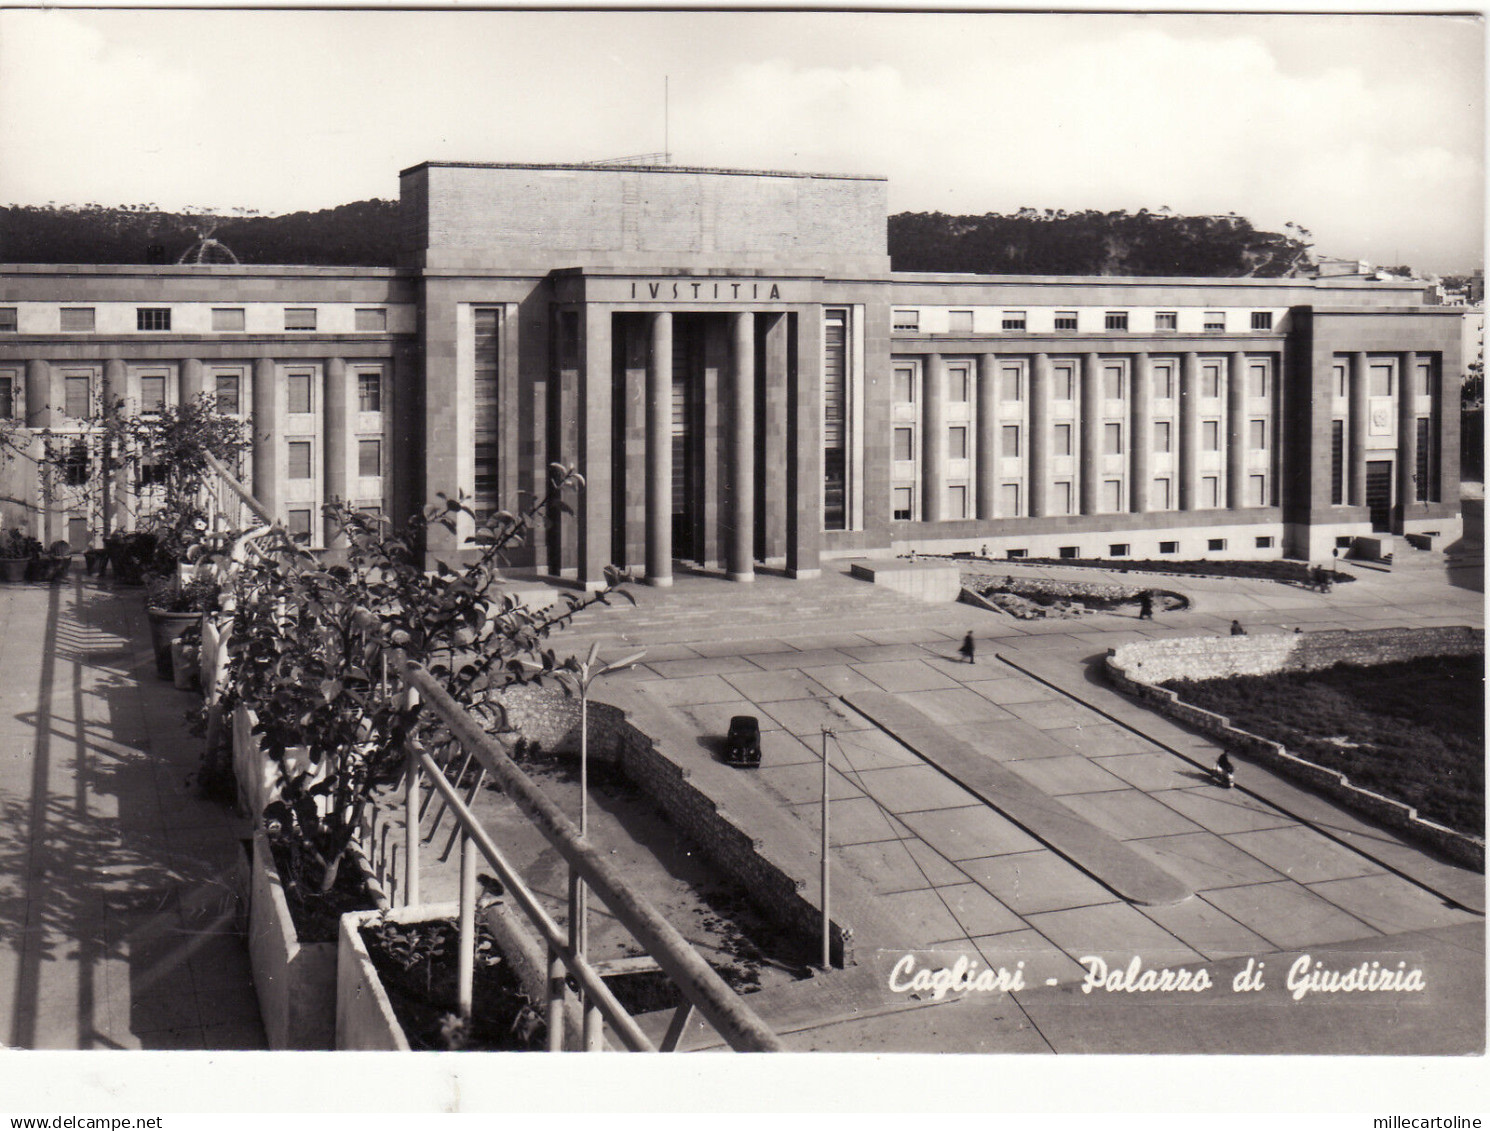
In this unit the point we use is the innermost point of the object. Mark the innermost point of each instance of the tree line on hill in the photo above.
(365, 234)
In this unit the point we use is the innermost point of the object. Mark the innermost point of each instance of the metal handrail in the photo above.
(700, 985)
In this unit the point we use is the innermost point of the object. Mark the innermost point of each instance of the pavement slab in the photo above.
(1114, 932)
(1061, 776)
(1391, 904)
(1303, 854)
(1289, 915)
(1205, 860)
(1036, 880)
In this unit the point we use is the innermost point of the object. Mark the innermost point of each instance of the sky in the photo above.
(1367, 130)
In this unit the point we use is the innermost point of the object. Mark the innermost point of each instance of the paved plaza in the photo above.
(117, 882)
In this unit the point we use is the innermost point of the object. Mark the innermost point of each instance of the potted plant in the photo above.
(16, 551)
(55, 565)
(130, 554)
(174, 607)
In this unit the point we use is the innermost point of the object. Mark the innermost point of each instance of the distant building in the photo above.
(728, 358)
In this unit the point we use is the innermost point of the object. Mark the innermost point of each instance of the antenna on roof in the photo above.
(663, 158)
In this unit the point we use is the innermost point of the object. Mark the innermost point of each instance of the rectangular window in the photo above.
(957, 442)
(901, 501)
(7, 320)
(957, 501)
(369, 392)
(1060, 440)
(152, 474)
(1113, 379)
(1169, 547)
(1258, 490)
(1422, 381)
(1163, 439)
(152, 393)
(1259, 375)
(906, 321)
(1344, 541)
(835, 419)
(1210, 435)
(1009, 385)
(1062, 382)
(1112, 495)
(1064, 497)
(1424, 488)
(1167, 320)
(960, 321)
(904, 443)
(1337, 462)
(1011, 439)
(7, 396)
(369, 458)
(1065, 320)
(77, 319)
(153, 318)
(1257, 435)
(298, 522)
(1009, 500)
(1210, 381)
(1069, 551)
(298, 393)
(227, 318)
(300, 318)
(299, 459)
(372, 320)
(78, 388)
(1014, 320)
(1163, 383)
(1117, 550)
(1379, 381)
(486, 355)
(1215, 544)
(1210, 491)
(1264, 542)
(1015, 555)
(1215, 321)
(905, 384)
(1163, 495)
(1116, 320)
(75, 466)
(1112, 439)
(229, 394)
(1262, 320)
(957, 384)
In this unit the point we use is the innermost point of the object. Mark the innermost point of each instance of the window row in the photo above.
(1010, 437)
(1017, 321)
(1116, 383)
(1124, 549)
(227, 388)
(300, 462)
(225, 319)
(1062, 498)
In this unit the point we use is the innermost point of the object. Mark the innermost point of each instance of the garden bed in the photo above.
(1034, 598)
(1413, 731)
(1285, 572)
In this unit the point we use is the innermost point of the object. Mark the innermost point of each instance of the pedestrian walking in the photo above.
(1146, 605)
(1237, 629)
(969, 650)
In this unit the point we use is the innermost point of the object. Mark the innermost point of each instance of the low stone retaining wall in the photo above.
(548, 715)
(1138, 668)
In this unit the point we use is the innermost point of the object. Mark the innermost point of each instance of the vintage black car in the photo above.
(742, 746)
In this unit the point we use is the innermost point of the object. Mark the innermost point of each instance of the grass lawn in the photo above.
(1413, 731)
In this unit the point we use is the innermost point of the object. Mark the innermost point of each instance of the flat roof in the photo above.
(621, 167)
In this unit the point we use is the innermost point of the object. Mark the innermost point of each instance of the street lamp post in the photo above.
(577, 675)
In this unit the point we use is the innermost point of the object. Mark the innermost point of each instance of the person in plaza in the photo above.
(1237, 629)
(969, 649)
(1225, 770)
(1146, 605)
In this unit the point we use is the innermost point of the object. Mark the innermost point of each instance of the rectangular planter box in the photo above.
(256, 774)
(364, 1016)
(295, 981)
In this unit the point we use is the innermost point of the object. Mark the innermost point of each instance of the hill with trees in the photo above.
(365, 234)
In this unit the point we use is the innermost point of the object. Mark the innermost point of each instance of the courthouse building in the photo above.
(728, 358)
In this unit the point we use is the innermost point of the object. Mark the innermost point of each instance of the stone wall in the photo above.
(1138, 668)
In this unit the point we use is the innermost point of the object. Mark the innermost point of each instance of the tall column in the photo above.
(1355, 459)
(804, 446)
(933, 438)
(742, 447)
(1141, 434)
(335, 445)
(38, 394)
(118, 495)
(1091, 432)
(266, 435)
(1407, 431)
(1039, 437)
(1236, 432)
(771, 467)
(987, 468)
(193, 380)
(660, 452)
(634, 431)
(1189, 430)
(596, 423)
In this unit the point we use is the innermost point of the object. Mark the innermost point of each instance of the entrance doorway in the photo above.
(1379, 494)
(684, 432)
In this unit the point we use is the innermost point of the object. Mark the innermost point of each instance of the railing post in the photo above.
(555, 1000)
(467, 924)
(411, 823)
